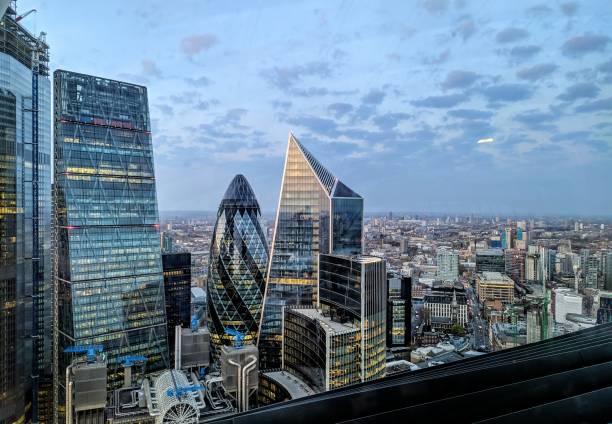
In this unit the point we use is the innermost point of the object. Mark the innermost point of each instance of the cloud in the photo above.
(465, 28)
(569, 8)
(281, 104)
(580, 90)
(437, 60)
(595, 106)
(195, 44)
(507, 92)
(510, 35)
(470, 114)
(389, 121)
(447, 101)
(606, 69)
(198, 82)
(539, 10)
(536, 119)
(374, 97)
(166, 109)
(435, 6)
(322, 126)
(583, 44)
(286, 78)
(536, 72)
(521, 53)
(459, 79)
(149, 68)
(340, 109)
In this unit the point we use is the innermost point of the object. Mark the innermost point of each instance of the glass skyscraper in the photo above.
(238, 259)
(353, 289)
(109, 278)
(316, 214)
(177, 290)
(25, 224)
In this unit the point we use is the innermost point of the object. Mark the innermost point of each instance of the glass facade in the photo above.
(316, 214)
(109, 269)
(238, 259)
(399, 307)
(353, 289)
(491, 260)
(177, 291)
(324, 353)
(25, 225)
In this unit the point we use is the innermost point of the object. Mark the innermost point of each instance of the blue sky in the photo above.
(390, 96)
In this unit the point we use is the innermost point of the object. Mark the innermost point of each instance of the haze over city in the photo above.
(394, 99)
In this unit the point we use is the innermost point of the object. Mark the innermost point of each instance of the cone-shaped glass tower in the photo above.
(316, 214)
(238, 260)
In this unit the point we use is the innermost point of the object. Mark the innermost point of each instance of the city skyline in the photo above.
(406, 116)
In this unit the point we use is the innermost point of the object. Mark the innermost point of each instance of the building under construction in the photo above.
(25, 221)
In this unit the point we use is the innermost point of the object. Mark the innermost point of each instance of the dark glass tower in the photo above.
(399, 311)
(238, 259)
(25, 224)
(109, 270)
(353, 289)
(316, 214)
(177, 290)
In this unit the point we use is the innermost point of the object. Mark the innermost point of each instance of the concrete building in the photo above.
(448, 264)
(566, 301)
(494, 285)
(445, 305)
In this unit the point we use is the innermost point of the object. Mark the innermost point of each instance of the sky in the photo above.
(391, 97)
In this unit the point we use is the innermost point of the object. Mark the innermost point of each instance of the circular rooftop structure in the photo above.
(175, 409)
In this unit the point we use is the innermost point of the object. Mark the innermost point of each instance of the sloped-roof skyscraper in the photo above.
(238, 260)
(316, 214)
(109, 282)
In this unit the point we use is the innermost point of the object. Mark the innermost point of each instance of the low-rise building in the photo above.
(446, 305)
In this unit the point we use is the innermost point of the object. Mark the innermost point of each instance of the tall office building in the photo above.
(25, 224)
(323, 352)
(166, 242)
(177, 292)
(491, 260)
(399, 311)
(109, 280)
(532, 264)
(316, 214)
(238, 259)
(590, 269)
(515, 265)
(448, 264)
(353, 289)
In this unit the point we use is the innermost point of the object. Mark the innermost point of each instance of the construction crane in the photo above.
(20, 17)
(90, 350)
(180, 391)
(238, 337)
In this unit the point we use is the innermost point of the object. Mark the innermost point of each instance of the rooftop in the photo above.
(494, 277)
(334, 326)
(296, 387)
(489, 252)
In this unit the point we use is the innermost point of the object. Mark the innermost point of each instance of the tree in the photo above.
(458, 330)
